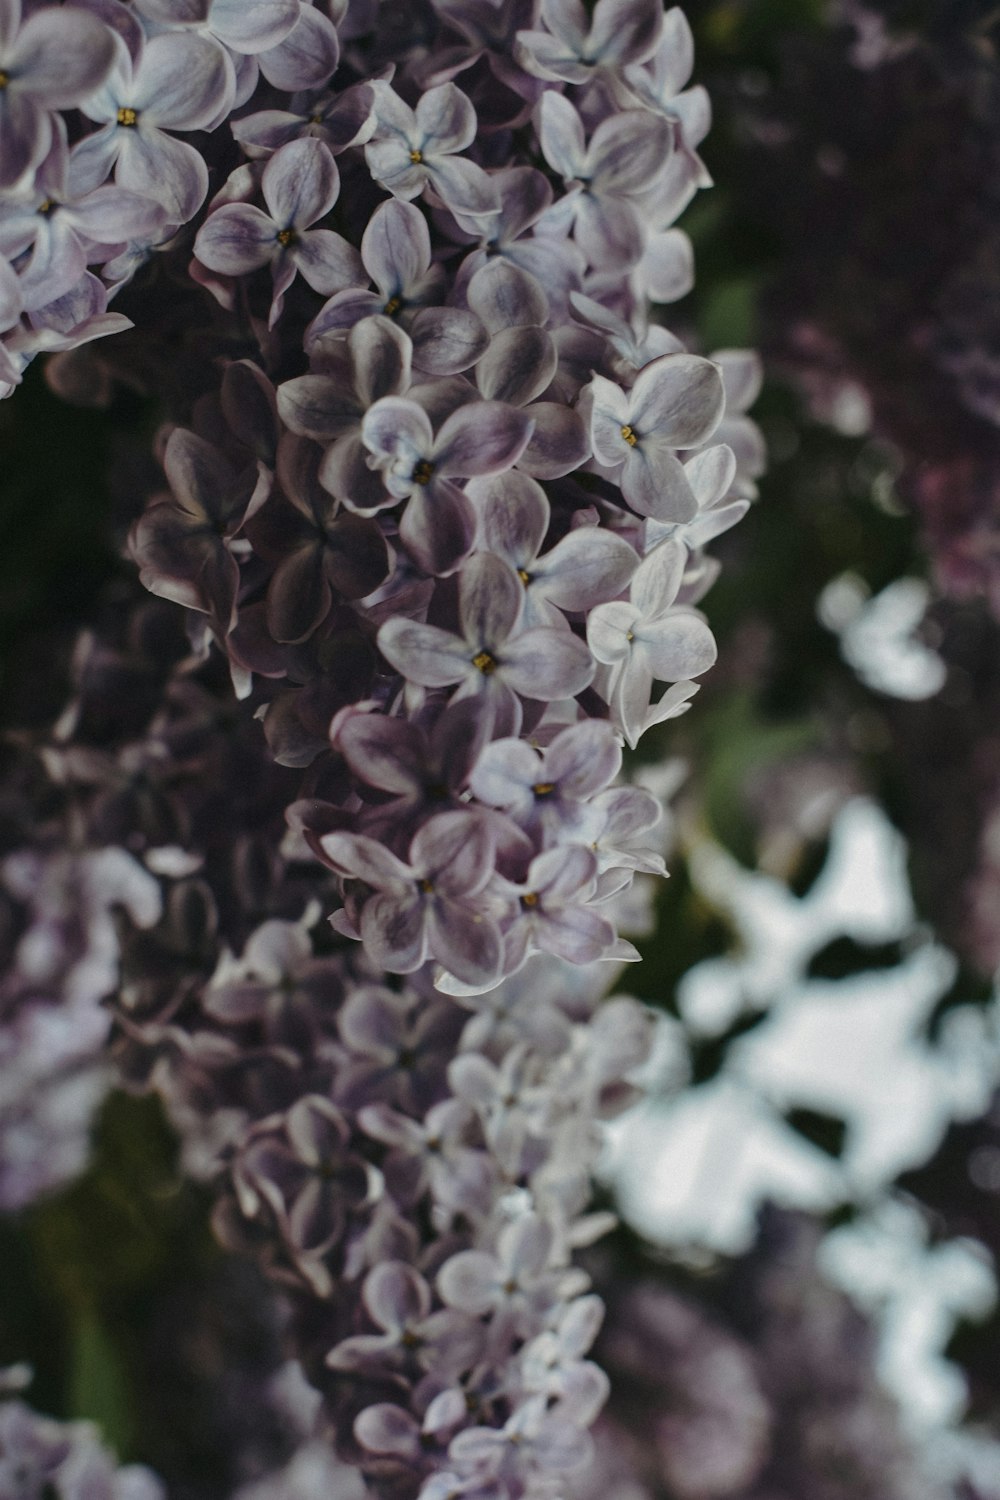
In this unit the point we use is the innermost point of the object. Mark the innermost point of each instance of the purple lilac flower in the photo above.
(576, 46)
(677, 401)
(300, 185)
(494, 656)
(416, 149)
(484, 437)
(178, 82)
(52, 59)
(604, 177)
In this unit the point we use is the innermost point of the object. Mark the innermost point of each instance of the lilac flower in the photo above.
(648, 639)
(52, 60)
(677, 401)
(427, 907)
(63, 230)
(326, 552)
(576, 45)
(553, 914)
(586, 567)
(493, 656)
(484, 437)
(657, 82)
(398, 1047)
(548, 792)
(301, 1168)
(300, 185)
(516, 1283)
(179, 82)
(181, 543)
(425, 767)
(396, 253)
(338, 120)
(432, 1156)
(414, 150)
(525, 198)
(624, 155)
(398, 1301)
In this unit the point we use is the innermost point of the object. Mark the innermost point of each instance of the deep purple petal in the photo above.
(485, 437)
(438, 527)
(307, 57)
(237, 239)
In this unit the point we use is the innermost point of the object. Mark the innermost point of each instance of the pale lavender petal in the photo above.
(667, 266)
(559, 442)
(366, 859)
(300, 183)
(679, 645)
(180, 81)
(388, 1429)
(654, 483)
(561, 137)
(517, 366)
(456, 851)
(515, 516)
(253, 27)
(307, 57)
(392, 931)
(447, 340)
(316, 406)
(395, 427)
(396, 247)
(609, 231)
(626, 31)
(463, 187)
(490, 601)
(446, 120)
(586, 568)
(327, 261)
(609, 630)
(381, 353)
(237, 239)
(567, 20)
(658, 578)
(504, 296)
(505, 774)
(469, 1281)
(383, 752)
(485, 437)
(680, 396)
(424, 653)
(438, 527)
(547, 664)
(627, 150)
(609, 414)
(25, 133)
(467, 943)
(171, 171)
(583, 758)
(396, 1295)
(61, 54)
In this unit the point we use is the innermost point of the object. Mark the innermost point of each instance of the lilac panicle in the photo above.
(437, 490)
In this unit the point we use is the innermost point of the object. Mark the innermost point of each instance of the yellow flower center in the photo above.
(427, 886)
(422, 473)
(484, 663)
(524, 577)
(531, 899)
(544, 788)
(629, 436)
(416, 157)
(629, 636)
(286, 236)
(392, 307)
(126, 116)
(4, 79)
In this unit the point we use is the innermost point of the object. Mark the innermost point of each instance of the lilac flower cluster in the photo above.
(39, 1456)
(438, 498)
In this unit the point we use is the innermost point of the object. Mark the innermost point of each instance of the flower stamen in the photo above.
(484, 663)
(416, 157)
(423, 472)
(629, 436)
(127, 117)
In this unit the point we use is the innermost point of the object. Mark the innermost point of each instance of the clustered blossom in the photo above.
(437, 489)
(39, 1456)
